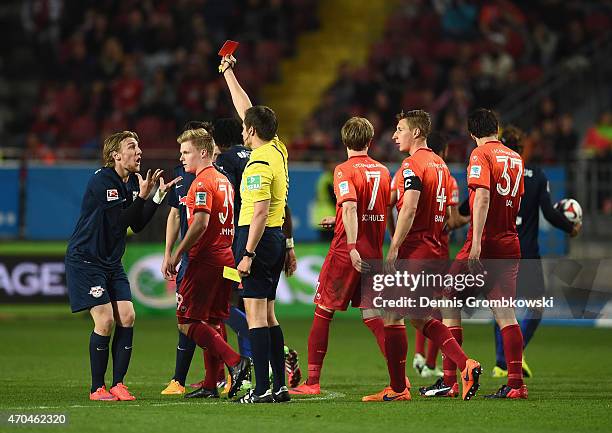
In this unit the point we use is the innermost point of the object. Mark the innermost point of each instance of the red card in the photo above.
(228, 48)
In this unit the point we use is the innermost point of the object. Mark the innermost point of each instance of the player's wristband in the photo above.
(351, 246)
(289, 243)
(159, 196)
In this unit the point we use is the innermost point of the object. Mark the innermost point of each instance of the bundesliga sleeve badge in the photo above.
(200, 198)
(112, 195)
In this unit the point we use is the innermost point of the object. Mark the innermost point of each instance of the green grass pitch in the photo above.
(45, 369)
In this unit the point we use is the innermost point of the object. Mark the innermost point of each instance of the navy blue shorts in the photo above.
(90, 284)
(181, 270)
(267, 264)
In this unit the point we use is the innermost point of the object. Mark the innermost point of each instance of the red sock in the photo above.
(396, 347)
(317, 343)
(513, 349)
(432, 353)
(448, 341)
(207, 337)
(221, 367)
(377, 326)
(212, 362)
(419, 343)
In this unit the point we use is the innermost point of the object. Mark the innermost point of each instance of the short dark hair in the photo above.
(227, 132)
(483, 123)
(417, 119)
(198, 124)
(263, 120)
(511, 137)
(437, 141)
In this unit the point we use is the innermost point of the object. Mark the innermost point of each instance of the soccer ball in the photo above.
(571, 209)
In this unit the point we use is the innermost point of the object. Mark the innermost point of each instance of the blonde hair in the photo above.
(357, 133)
(200, 139)
(112, 144)
(417, 119)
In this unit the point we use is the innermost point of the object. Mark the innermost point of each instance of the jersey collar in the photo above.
(204, 169)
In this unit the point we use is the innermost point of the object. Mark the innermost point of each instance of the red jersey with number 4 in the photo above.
(453, 201)
(500, 170)
(211, 192)
(426, 172)
(366, 182)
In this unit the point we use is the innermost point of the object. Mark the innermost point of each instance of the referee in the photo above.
(260, 244)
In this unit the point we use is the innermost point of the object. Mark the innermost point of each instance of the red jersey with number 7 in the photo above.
(366, 182)
(500, 170)
(211, 192)
(426, 172)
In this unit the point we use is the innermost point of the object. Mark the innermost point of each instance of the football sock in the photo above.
(513, 348)
(377, 326)
(98, 359)
(122, 352)
(207, 337)
(449, 340)
(184, 354)
(277, 356)
(317, 343)
(221, 367)
(419, 343)
(237, 321)
(396, 347)
(529, 324)
(500, 358)
(260, 344)
(432, 354)
(212, 362)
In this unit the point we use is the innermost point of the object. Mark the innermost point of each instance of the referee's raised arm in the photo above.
(240, 98)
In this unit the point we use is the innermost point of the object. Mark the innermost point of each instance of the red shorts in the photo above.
(204, 294)
(499, 279)
(417, 249)
(339, 283)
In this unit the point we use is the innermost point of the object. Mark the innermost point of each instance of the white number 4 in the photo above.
(440, 193)
(376, 176)
(514, 162)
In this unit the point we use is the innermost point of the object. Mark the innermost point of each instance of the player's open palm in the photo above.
(146, 184)
(358, 263)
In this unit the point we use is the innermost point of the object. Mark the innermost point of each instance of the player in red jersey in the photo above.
(422, 204)
(203, 297)
(361, 185)
(495, 182)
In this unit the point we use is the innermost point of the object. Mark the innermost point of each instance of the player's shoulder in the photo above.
(105, 176)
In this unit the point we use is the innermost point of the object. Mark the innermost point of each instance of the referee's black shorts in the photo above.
(267, 264)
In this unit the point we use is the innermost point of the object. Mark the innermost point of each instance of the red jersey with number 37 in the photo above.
(426, 172)
(500, 170)
(366, 182)
(211, 192)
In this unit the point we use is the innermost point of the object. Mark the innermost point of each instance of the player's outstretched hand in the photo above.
(576, 230)
(328, 223)
(358, 264)
(290, 262)
(147, 184)
(165, 187)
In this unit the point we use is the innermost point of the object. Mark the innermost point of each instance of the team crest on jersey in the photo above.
(200, 198)
(408, 173)
(96, 291)
(134, 195)
(112, 195)
(339, 174)
(475, 171)
(343, 187)
(253, 182)
(475, 158)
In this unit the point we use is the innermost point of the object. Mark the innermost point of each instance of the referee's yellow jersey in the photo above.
(266, 177)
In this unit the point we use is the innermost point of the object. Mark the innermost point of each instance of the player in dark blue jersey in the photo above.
(115, 199)
(536, 198)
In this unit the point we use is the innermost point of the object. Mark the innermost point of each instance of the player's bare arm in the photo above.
(195, 231)
(173, 223)
(391, 223)
(482, 197)
(349, 218)
(405, 218)
(455, 219)
(239, 96)
(256, 229)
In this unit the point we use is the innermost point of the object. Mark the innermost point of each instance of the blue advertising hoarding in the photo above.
(9, 201)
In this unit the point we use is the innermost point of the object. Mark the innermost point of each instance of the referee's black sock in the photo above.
(98, 359)
(184, 354)
(122, 352)
(277, 356)
(260, 346)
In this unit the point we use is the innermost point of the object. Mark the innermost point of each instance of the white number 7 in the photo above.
(376, 176)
